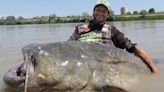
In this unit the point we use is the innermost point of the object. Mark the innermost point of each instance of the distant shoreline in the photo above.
(11, 20)
(137, 17)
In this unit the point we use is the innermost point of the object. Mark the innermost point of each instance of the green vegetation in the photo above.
(151, 11)
(151, 14)
(138, 15)
(12, 20)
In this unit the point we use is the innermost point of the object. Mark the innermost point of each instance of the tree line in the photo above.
(84, 17)
(150, 11)
(151, 14)
(12, 20)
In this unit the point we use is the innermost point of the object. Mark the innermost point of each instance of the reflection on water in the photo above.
(148, 34)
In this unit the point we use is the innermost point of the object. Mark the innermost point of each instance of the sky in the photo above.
(31, 8)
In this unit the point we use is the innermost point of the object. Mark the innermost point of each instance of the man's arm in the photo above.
(121, 41)
(146, 58)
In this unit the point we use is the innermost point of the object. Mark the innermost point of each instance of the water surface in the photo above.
(147, 34)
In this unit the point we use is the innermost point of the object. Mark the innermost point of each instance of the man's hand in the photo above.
(146, 58)
(155, 70)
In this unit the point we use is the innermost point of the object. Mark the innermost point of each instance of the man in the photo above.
(99, 31)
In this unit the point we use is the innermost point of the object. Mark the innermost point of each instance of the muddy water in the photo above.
(148, 34)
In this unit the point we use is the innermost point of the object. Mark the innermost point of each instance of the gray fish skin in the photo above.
(11, 78)
(82, 66)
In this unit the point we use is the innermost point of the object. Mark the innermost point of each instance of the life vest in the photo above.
(98, 36)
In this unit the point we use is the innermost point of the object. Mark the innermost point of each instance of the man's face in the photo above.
(100, 13)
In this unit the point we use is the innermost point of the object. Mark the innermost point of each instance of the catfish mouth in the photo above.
(29, 60)
(27, 68)
(17, 75)
(28, 65)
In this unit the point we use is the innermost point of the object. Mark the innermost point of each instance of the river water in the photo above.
(147, 34)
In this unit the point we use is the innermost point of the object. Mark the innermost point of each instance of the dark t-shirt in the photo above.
(117, 37)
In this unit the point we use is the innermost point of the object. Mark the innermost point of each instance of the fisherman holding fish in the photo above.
(98, 30)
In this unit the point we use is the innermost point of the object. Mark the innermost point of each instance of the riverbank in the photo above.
(11, 20)
(136, 17)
